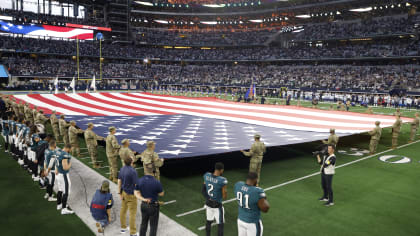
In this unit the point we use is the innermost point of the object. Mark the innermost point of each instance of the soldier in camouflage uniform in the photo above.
(126, 152)
(55, 126)
(21, 108)
(414, 127)
(112, 148)
(150, 158)
(27, 112)
(63, 126)
(375, 135)
(332, 139)
(34, 113)
(92, 144)
(40, 118)
(74, 141)
(256, 153)
(15, 107)
(396, 127)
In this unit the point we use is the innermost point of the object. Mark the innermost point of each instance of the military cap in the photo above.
(41, 111)
(112, 128)
(72, 122)
(150, 143)
(53, 111)
(90, 124)
(105, 186)
(36, 106)
(377, 122)
(62, 116)
(332, 130)
(257, 136)
(126, 140)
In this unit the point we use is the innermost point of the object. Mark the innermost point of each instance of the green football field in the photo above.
(372, 197)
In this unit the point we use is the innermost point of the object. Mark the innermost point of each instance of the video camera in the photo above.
(322, 151)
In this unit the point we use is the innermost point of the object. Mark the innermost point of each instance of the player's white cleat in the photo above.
(59, 207)
(52, 199)
(46, 196)
(36, 179)
(66, 211)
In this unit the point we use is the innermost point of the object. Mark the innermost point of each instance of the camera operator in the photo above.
(327, 163)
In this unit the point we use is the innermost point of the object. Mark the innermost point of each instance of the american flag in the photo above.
(186, 127)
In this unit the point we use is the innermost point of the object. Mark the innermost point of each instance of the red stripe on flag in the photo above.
(103, 108)
(90, 97)
(57, 104)
(251, 109)
(249, 117)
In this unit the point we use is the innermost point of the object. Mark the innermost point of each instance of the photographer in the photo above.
(327, 163)
(101, 205)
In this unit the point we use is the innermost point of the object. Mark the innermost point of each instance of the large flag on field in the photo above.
(187, 127)
(251, 92)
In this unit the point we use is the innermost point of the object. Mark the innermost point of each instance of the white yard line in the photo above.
(302, 178)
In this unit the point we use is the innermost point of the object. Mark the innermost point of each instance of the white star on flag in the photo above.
(149, 137)
(134, 126)
(125, 130)
(173, 152)
(221, 143)
(184, 141)
(141, 142)
(155, 133)
(188, 136)
(221, 134)
(179, 146)
(191, 132)
(162, 129)
(222, 138)
(222, 147)
(168, 126)
(196, 128)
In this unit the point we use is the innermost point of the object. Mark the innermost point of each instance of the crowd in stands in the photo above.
(328, 77)
(89, 48)
(360, 28)
(175, 37)
(25, 17)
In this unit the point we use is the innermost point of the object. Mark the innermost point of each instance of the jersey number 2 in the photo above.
(210, 190)
(243, 200)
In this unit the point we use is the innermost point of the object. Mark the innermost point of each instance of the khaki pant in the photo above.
(93, 152)
(56, 132)
(373, 145)
(129, 203)
(66, 139)
(75, 149)
(394, 140)
(413, 134)
(113, 167)
(255, 166)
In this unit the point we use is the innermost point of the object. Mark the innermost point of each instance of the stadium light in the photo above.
(209, 22)
(161, 21)
(144, 3)
(214, 5)
(407, 4)
(303, 16)
(366, 9)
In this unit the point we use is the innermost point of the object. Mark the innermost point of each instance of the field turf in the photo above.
(372, 197)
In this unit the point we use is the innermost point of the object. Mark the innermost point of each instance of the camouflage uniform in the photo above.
(375, 136)
(27, 112)
(256, 153)
(92, 145)
(55, 126)
(150, 157)
(15, 107)
(396, 127)
(63, 126)
(126, 152)
(40, 118)
(21, 108)
(332, 139)
(112, 148)
(414, 127)
(34, 113)
(74, 141)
